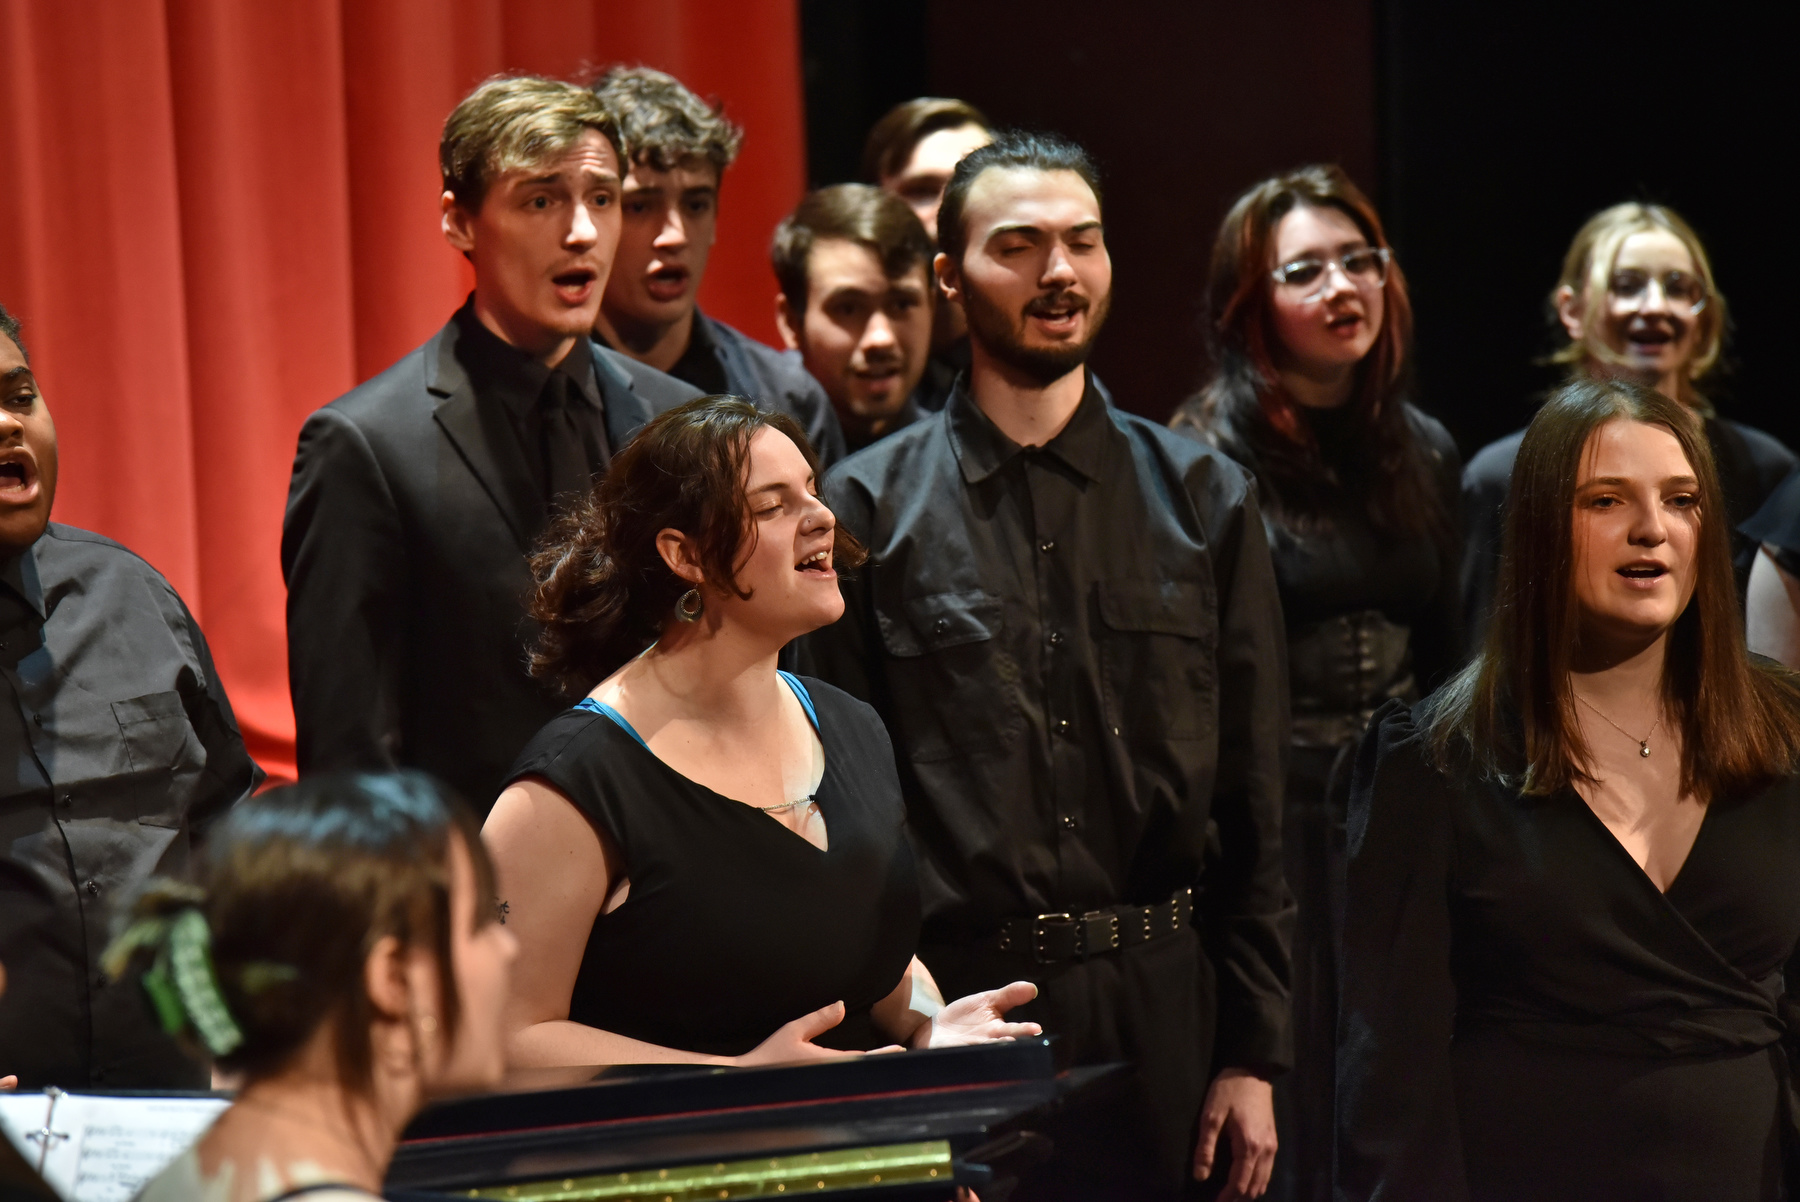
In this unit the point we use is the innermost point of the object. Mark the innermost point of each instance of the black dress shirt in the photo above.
(499, 370)
(120, 748)
(1078, 651)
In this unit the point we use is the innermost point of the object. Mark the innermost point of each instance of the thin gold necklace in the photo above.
(1643, 743)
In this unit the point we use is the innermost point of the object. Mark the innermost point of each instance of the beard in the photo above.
(1000, 334)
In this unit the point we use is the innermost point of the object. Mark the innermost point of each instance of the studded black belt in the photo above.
(1048, 938)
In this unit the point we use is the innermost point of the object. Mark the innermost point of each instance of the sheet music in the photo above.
(103, 1149)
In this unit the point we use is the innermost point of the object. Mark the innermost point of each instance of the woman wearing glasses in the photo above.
(1636, 300)
(1309, 325)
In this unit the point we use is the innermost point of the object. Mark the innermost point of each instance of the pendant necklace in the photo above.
(1643, 743)
(785, 806)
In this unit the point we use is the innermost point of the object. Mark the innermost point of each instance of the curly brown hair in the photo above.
(604, 592)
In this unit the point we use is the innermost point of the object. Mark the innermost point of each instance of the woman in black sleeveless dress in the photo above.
(705, 860)
(1571, 919)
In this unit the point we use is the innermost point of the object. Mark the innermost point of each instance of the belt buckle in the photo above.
(1037, 943)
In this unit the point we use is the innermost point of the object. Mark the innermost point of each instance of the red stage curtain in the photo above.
(220, 214)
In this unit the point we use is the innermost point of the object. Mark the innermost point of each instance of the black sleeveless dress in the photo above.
(734, 924)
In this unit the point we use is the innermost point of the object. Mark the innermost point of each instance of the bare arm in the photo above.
(1772, 610)
(555, 872)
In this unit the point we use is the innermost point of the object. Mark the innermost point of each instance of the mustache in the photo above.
(1063, 298)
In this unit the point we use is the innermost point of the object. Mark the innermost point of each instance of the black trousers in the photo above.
(1151, 1006)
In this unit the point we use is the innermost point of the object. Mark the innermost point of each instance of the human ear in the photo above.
(456, 222)
(790, 329)
(1569, 312)
(385, 977)
(948, 278)
(677, 550)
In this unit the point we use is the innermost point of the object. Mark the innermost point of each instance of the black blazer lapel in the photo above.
(482, 437)
(625, 410)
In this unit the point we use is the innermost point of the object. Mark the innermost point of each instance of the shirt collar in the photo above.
(1085, 444)
(20, 574)
(516, 378)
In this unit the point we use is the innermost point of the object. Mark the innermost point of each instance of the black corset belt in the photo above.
(1341, 670)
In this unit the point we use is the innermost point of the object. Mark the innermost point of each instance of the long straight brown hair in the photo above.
(1513, 708)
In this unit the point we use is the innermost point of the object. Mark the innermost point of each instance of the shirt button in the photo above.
(1056, 639)
(1061, 726)
(1047, 546)
(1068, 822)
(38, 719)
(93, 888)
(941, 625)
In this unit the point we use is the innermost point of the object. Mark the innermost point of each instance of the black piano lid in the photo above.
(628, 1120)
(628, 1092)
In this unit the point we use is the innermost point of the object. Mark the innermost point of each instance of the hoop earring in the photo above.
(691, 606)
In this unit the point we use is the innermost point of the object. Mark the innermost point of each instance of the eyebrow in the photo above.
(1620, 481)
(1029, 230)
(556, 177)
(20, 372)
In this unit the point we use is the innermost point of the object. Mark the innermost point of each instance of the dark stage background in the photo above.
(1486, 135)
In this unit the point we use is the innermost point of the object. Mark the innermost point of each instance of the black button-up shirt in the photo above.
(1078, 650)
(503, 372)
(119, 746)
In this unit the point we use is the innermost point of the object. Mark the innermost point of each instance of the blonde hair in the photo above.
(1587, 272)
(513, 121)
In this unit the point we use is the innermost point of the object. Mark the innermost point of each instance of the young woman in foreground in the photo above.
(705, 860)
(1571, 871)
(340, 954)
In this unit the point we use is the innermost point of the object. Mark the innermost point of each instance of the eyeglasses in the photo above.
(1364, 267)
(1684, 293)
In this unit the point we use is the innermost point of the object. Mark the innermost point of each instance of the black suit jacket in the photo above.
(409, 518)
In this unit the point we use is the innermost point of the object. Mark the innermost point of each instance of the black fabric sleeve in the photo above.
(1777, 522)
(231, 775)
(1397, 1136)
(344, 561)
(1439, 644)
(1483, 517)
(1246, 912)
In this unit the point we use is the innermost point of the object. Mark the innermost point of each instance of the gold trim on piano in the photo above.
(765, 1177)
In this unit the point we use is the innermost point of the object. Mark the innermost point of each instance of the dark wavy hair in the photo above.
(297, 885)
(1013, 149)
(1243, 409)
(604, 592)
(1512, 710)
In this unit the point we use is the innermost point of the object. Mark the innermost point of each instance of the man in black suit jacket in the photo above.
(680, 148)
(417, 496)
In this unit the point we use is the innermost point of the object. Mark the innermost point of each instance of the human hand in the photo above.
(978, 1018)
(1242, 1105)
(10, 1082)
(794, 1041)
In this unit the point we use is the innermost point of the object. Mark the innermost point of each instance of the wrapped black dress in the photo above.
(1526, 1016)
(734, 924)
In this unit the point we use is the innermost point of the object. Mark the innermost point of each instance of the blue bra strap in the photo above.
(600, 707)
(805, 699)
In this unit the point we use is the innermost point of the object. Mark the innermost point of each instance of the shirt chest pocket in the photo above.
(158, 742)
(1158, 641)
(955, 688)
